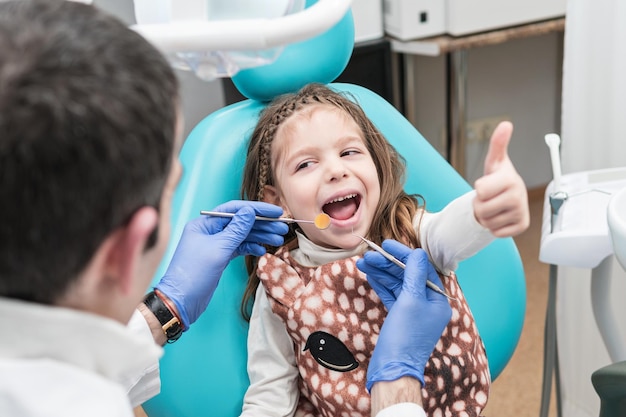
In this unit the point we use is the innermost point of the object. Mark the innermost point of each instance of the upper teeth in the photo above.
(342, 198)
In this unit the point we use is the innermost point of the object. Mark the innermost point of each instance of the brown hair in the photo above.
(396, 209)
(88, 112)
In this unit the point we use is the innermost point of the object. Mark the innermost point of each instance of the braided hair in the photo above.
(396, 209)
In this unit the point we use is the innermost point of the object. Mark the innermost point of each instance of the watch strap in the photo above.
(170, 324)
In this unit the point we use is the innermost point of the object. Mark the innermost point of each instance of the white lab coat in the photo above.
(61, 362)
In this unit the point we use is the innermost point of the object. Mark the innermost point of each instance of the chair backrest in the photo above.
(204, 373)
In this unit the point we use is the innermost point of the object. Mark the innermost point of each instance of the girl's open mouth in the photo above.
(342, 208)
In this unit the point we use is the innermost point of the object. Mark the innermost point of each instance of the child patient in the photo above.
(315, 319)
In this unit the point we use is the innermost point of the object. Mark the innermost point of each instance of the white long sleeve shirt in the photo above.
(62, 362)
(402, 410)
(448, 236)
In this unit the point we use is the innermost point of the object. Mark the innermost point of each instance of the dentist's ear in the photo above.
(110, 284)
(131, 241)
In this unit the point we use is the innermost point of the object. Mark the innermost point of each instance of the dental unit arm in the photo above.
(243, 34)
(216, 40)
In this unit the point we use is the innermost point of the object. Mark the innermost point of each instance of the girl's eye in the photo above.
(303, 165)
(350, 152)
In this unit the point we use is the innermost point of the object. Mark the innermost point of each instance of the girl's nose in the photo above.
(336, 170)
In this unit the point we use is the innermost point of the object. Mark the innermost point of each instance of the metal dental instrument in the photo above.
(322, 220)
(399, 263)
(557, 197)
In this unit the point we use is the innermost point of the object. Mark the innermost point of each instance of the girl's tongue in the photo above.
(341, 210)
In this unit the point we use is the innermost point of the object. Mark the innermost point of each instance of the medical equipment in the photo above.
(415, 19)
(616, 219)
(554, 142)
(578, 235)
(471, 16)
(322, 220)
(575, 233)
(212, 39)
(610, 381)
(610, 385)
(557, 197)
(399, 263)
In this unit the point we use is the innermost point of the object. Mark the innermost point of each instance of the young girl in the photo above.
(315, 319)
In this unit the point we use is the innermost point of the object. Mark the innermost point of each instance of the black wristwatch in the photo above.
(171, 325)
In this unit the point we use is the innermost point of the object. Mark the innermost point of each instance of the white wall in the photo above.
(520, 79)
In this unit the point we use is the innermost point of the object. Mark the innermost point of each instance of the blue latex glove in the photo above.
(383, 275)
(206, 247)
(413, 326)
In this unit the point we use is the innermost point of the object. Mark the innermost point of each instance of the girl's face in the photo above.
(321, 164)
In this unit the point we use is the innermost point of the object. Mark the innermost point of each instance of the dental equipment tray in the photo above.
(578, 234)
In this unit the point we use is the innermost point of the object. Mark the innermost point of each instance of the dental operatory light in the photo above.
(217, 38)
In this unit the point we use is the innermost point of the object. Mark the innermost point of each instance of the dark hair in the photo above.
(88, 110)
(396, 209)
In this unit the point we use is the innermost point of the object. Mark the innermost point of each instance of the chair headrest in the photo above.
(320, 59)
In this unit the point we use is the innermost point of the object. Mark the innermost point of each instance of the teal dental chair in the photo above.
(204, 373)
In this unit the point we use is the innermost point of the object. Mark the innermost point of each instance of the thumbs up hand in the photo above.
(501, 203)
